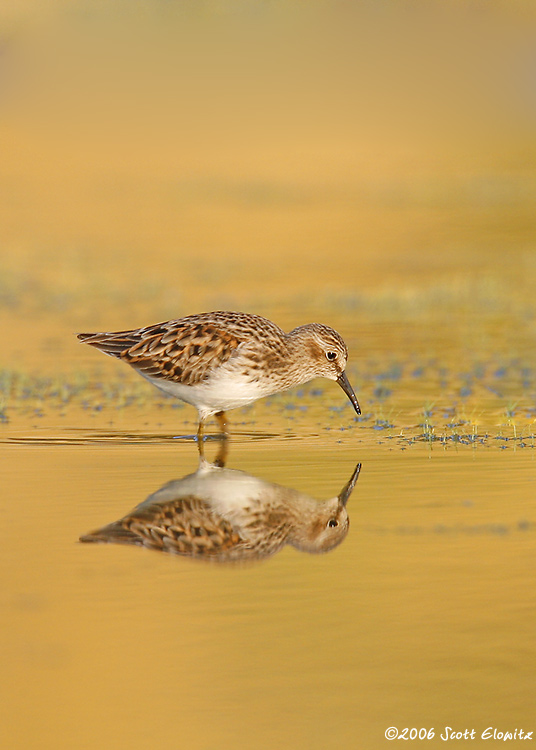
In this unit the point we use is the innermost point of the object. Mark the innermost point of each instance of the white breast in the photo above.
(223, 391)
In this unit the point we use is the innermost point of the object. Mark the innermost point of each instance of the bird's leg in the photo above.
(223, 449)
(201, 438)
(221, 456)
(222, 421)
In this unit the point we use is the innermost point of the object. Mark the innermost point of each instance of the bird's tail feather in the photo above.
(109, 343)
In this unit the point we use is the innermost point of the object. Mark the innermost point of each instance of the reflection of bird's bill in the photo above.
(349, 486)
(344, 383)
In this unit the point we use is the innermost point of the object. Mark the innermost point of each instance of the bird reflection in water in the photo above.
(227, 515)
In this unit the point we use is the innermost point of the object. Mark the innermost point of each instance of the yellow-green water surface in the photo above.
(422, 617)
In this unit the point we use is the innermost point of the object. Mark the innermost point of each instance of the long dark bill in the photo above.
(349, 486)
(344, 383)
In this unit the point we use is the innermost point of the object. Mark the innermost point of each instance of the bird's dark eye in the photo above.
(331, 356)
(333, 522)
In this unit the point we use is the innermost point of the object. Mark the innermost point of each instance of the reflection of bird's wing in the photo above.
(187, 527)
(184, 350)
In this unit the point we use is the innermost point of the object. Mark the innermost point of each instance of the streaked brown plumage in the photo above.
(222, 360)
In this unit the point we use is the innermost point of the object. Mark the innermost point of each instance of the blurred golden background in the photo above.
(192, 155)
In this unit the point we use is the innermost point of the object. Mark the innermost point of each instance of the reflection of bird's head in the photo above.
(322, 529)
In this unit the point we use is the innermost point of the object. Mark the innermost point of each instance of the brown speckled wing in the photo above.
(184, 527)
(183, 352)
(188, 349)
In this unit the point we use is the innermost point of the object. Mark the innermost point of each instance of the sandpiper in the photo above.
(226, 515)
(223, 360)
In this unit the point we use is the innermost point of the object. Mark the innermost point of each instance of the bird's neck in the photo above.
(303, 353)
